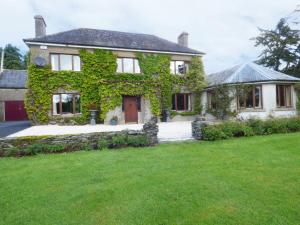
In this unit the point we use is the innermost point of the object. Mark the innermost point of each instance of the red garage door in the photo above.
(15, 110)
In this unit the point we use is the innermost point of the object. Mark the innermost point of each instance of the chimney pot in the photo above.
(183, 39)
(40, 26)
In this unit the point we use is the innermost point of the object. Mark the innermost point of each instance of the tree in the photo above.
(13, 59)
(281, 48)
(196, 81)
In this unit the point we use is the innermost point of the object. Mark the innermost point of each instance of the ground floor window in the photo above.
(65, 103)
(251, 98)
(211, 104)
(181, 102)
(284, 96)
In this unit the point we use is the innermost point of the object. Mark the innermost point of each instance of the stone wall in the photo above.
(145, 137)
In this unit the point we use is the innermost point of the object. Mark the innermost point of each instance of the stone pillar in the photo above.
(151, 130)
(197, 126)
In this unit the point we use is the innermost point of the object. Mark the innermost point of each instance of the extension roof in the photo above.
(112, 39)
(13, 79)
(248, 73)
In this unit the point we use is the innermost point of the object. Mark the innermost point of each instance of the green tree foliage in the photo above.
(281, 48)
(13, 59)
(196, 81)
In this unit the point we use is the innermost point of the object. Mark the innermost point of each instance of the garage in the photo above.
(12, 94)
(15, 111)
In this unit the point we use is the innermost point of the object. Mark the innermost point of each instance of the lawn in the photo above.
(253, 180)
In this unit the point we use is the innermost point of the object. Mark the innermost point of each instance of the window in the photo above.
(283, 96)
(178, 67)
(65, 103)
(128, 65)
(252, 98)
(181, 102)
(65, 62)
(210, 100)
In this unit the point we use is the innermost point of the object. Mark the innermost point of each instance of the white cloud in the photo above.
(222, 29)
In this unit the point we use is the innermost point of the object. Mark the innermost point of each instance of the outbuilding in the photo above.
(12, 95)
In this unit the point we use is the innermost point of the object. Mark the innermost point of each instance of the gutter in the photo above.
(111, 48)
(254, 82)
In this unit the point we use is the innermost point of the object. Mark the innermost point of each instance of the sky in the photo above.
(220, 28)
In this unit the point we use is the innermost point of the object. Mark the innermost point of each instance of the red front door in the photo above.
(15, 110)
(130, 109)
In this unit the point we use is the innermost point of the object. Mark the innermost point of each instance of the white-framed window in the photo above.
(284, 96)
(251, 99)
(128, 65)
(178, 67)
(65, 62)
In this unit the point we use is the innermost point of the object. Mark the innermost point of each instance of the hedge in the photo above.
(251, 127)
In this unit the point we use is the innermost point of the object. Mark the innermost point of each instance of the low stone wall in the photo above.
(19, 146)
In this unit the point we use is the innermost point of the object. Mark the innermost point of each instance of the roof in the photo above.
(113, 39)
(248, 73)
(13, 79)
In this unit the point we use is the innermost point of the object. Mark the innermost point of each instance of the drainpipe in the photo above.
(2, 60)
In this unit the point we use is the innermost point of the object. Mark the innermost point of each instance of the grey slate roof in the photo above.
(113, 39)
(13, 79)
(248, 73)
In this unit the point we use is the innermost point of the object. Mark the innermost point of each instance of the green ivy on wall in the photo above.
(102, 88)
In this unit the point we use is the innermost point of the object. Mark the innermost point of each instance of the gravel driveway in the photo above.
(171, 131)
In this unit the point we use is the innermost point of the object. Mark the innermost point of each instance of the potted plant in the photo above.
(93, 112)
(114, 120)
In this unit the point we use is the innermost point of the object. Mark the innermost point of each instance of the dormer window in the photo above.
(65, 62)
(128, 65)
(178, 67)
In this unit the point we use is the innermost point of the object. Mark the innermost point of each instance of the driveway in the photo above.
(171, 131)
(8, 128)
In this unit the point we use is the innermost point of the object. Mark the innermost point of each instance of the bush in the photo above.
(251, 127)
(214, 132)
(118, 141)
(137, 140)
(103, 143)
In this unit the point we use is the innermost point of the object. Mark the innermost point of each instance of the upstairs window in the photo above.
(284, 96)
(128, 65)
(65, 104)
(252, 98)
(178, 67)
(181, 102)
(65, 62)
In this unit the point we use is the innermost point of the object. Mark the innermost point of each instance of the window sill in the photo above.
(252, 110)
(285, 109)
(68, 114)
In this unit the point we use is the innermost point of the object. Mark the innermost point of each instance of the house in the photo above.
(268, 93)
(12, 94)
(62, 52)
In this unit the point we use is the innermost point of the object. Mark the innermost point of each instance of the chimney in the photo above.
(40, 26)
(183, 39)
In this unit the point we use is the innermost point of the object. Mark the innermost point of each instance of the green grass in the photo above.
(251, 181)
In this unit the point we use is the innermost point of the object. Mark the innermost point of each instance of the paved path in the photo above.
(7, 128)
(172, 131)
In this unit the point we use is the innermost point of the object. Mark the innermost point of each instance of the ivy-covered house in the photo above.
(251, 91)
(127, 77)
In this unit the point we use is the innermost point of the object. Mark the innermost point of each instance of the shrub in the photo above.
(119, 140)
(251, 127)
(137, 140)
(236, 129)
(103, 143)
(257, 126)
(214, 132)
